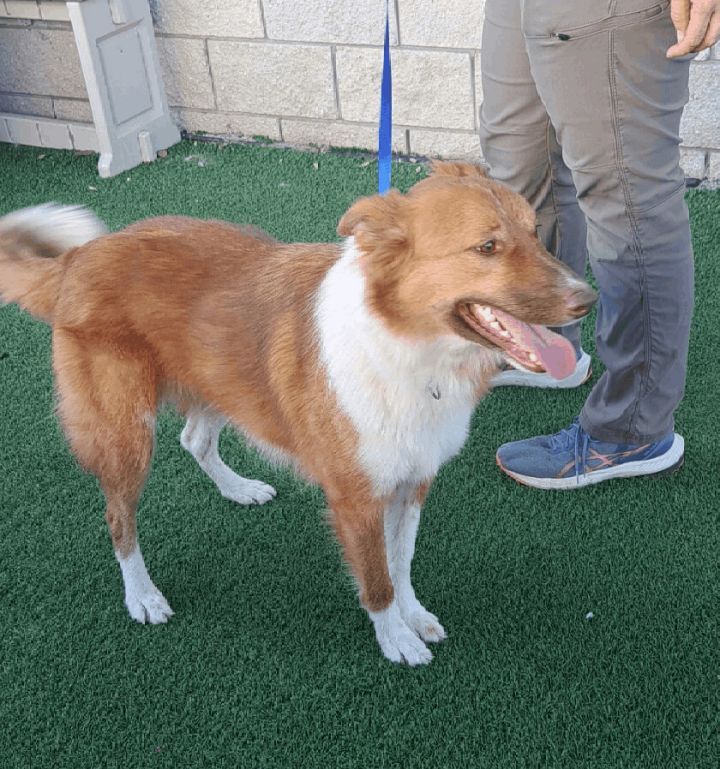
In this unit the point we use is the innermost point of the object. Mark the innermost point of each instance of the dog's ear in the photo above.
(381, 227)
(458, 170)
(376, 219)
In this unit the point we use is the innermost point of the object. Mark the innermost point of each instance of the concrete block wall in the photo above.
(307, 72)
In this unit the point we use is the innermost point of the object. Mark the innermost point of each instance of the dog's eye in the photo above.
(488, 247)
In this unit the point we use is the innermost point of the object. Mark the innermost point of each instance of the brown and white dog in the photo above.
(358, 363)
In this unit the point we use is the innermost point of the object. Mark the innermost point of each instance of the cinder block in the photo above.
(692, 162)
(185, 72)
(22, 9)
(24, 131)
(272, 78)
(224, 18)
(40, 61)
(55, 135)
(84, 138)
(225, 124)
(478, 86)
(450, 145)
(341, 21)
(714, 166)
(441, 23)
(39, 106)
(335, 133)
(73, 110)
(431, 89)
(700, 125)
(53, 11)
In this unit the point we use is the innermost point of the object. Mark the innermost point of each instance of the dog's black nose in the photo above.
(581, 300)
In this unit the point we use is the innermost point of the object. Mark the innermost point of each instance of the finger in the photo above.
(713, 33)
(694, 34)
(680, 14)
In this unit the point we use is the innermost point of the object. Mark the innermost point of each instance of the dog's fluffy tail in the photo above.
(32, 243)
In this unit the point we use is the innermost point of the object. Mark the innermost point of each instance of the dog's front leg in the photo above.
(402, 518)
(359, 525)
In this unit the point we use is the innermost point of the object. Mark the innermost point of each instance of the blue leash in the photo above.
(385, 129)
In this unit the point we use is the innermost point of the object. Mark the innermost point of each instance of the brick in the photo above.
(430, 88)
(700, 125)
(40, 61)
(224, 124)
(342, 21)
(53, 11)
(450, 145)
(22, 9)
(441, 23)
(692, 162)
(40, 106)
(224, 18)
(335, 133)
(272, 78)
(185, 72)
(74, 110)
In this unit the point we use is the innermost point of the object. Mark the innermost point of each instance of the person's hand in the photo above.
(697, 23)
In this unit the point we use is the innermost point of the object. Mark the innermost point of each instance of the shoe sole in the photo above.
(669, 462)
(517, 378)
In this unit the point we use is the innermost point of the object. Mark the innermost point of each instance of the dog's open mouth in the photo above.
(534, 347)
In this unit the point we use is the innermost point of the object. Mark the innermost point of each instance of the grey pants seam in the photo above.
(639, 254)
(556, 214)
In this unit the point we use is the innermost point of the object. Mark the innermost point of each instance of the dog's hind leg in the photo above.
(200, 437)
(402, 517)
(107, 404)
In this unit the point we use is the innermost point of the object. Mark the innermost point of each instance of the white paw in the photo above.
(397, 640)
(148, 605)
(426, 625)
(247, 492)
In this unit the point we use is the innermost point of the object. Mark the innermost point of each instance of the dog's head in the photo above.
(460, 253)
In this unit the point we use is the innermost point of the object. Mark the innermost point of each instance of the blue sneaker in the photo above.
(571, 459)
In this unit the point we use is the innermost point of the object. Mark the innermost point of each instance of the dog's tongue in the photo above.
(555, 353)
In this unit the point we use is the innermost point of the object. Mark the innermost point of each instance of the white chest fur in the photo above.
(389, 386)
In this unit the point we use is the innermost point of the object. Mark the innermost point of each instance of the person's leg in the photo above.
(616, 102)
(519, 143)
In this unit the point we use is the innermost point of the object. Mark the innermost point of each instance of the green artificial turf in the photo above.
(269, 661)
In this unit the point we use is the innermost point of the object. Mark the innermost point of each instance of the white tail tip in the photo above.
(61, 226)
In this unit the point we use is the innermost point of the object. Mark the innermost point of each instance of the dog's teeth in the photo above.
(495, 325)
(487, 313)
(505, 334)
(533, 357)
